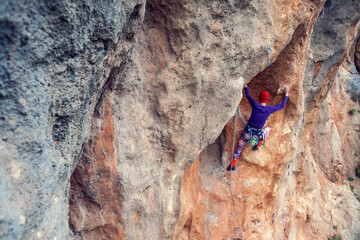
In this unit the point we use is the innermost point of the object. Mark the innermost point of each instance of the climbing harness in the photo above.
(256, 135)
(269, 50)
(229, 182)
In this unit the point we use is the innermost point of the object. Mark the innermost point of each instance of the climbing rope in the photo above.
(229, 182)
(242, 117)
(233, 204)
(237, 220)
(233, 147)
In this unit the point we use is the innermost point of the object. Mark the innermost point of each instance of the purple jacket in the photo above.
(260, 113)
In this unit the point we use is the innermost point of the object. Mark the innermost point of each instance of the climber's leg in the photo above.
(237, 154)
(238, 151)
(245, 137)
(267, 131)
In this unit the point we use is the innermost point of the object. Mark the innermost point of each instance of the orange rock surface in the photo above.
(96, 200)
(164, 132)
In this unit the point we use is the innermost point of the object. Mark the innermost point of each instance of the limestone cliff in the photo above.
(117, 119)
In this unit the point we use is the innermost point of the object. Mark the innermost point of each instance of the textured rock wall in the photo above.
(297, 188)
(180, 86)
(105, 106)
(56, 58)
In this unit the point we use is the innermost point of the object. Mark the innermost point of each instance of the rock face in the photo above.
(117, 119)
(57, 57)
(297, 188)
(90, 209)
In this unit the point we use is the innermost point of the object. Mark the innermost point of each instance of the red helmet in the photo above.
(264, 97)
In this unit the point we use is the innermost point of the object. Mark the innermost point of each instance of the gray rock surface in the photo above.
(54, 63)
(330, 41)
(332, 73)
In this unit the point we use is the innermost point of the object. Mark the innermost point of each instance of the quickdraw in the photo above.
(303, 119)
(295, 3)
(239, 232)
(223, 175)
(269, 50)
(288, 169)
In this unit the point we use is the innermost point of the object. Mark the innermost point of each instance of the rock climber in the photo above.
(255, 127)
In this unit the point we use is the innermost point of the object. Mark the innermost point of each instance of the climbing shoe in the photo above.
(256, 147)
(230, 168)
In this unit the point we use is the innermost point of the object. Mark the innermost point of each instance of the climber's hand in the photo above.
(286, 91)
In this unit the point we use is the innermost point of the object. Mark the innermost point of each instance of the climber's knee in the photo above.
(267, 131)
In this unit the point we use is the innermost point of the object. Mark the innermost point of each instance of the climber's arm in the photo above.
(281, 105)
(247, 94)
